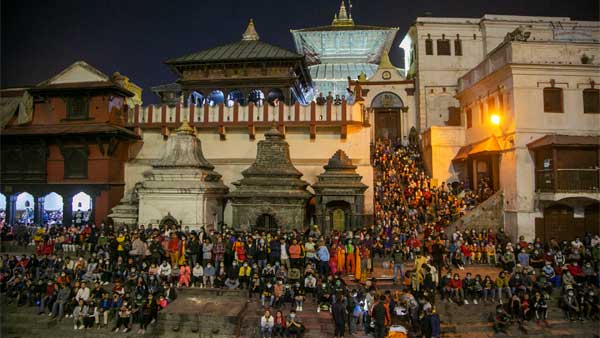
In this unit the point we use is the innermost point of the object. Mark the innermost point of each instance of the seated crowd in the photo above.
(96, 274)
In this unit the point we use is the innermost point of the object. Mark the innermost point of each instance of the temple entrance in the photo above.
(387, 108)
(387, 124)
(266, 223)
(168, 222)
(53, 209)
(338, 220)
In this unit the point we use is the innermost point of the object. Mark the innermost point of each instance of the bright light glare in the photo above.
(495, 119)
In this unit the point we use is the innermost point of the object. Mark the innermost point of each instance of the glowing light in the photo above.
(495, 119)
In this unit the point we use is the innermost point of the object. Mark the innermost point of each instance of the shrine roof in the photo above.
(77, 86)
(245, 50)
(340, 71)
(343, 28)
(70, 129)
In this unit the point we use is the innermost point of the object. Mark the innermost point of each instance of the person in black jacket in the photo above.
(379, 315)
(339, 316)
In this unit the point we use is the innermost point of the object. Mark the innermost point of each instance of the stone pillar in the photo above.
(11, 208)
(38, 214)
(67, 210)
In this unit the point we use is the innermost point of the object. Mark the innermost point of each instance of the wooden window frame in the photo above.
(444, 41)
(562, 99)
(469, 118)
(67, 154)
(428, 46)
(70, 106)
(595, 91)
(458, 46)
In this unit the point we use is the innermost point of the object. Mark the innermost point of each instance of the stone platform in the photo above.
(203, 312)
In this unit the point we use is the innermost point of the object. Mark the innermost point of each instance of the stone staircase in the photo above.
(486, 215)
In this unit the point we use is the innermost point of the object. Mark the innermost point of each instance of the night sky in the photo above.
(40, 38)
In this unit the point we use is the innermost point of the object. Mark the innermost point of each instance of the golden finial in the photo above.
(185, 128)
(384, 62)
(250, 34)
(342, 18)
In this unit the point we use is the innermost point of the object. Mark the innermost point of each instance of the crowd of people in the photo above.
(100, 274)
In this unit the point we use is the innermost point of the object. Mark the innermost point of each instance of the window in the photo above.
(491, 105)
(77, 108)
(481, 113)
(457, 46)
(443, 47)
(428, 45)
(76, 162)
(553, 100)
(469, 118)
(501, 103)
(591, 101)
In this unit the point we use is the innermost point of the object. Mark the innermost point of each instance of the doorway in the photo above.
(266, 223)
(387, 124)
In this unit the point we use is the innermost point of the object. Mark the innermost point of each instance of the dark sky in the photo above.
(40, 38)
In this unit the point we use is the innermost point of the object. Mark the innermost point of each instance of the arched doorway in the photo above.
(196, 99)
(25, 208)
(234, 96)
(275, 97)
(82, 208)
(216, 97)
(53, 209)
(266, 223)
(168, 222)
(256, 96)
(387, 108)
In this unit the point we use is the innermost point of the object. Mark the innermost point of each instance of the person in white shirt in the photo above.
(164, 271)
(83, 293)
(266, 324)
(197, 275)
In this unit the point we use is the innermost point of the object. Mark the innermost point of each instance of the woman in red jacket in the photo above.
(456, 289)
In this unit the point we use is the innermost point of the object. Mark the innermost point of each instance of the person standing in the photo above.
(380, 316)
(339, 314)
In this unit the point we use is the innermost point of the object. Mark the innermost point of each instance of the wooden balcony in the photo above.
(567, 180)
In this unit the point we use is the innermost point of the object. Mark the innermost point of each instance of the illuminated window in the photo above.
(481, 113)
(591, 101)
(553, 100)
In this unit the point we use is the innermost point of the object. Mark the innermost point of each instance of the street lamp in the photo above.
(495, 119)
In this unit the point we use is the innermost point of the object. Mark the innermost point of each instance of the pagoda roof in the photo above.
(340, 71)
(245, 50)
(344, 28)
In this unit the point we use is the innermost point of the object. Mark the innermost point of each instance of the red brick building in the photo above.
(66, 135)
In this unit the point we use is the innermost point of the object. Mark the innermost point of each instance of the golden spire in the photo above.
(342, 18)
(384, 62)
(250, 34)
(185, 128)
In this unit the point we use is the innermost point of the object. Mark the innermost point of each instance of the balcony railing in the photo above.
(567, 180)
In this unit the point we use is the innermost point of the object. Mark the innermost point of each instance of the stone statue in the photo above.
(517, 35)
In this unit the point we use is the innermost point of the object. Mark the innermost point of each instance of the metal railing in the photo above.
(567, 180)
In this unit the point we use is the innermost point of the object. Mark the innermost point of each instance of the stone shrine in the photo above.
(182, 187)
(271, 195)
(340, 195)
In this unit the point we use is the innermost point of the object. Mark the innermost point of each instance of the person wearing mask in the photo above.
(398, 256)
(209, 276)
(502, 282)
(295, 329)
(540, 309)
(267, 322)
(244, 275)
(570, 305)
